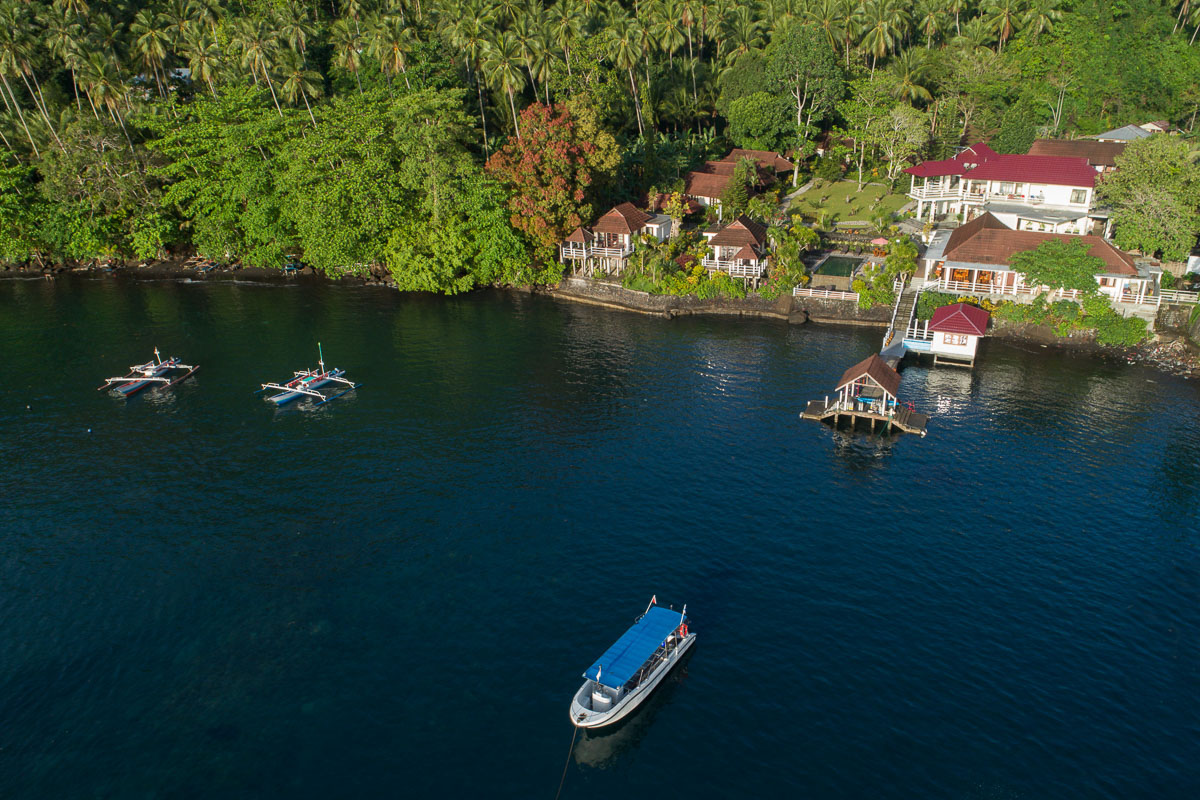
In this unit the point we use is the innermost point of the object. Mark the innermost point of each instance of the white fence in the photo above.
(826, 294)
(1172, 296)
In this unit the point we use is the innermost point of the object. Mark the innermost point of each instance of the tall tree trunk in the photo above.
(306, 105)
(482, 116)
(692, 64)
(513, 106)
(21, 115)
(271, 86)
(637, 106)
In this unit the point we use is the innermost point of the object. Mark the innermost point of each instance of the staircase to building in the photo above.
(902, 314)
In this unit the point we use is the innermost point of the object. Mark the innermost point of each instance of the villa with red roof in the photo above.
(976, 260)
(739, 249)
(1042, 193)
(607, 244)
(952, 336)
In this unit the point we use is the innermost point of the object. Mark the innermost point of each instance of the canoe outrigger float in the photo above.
(307, 381)
(630, 670)
(153, 373)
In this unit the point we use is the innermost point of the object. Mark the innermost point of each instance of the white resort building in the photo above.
(975, 259)
(1052, 194)
(609, 243)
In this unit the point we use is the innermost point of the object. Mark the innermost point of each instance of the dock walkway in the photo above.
(904, 419)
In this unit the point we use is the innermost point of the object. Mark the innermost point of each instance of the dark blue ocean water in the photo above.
(395, 595)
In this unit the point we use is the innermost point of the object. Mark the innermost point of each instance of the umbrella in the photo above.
(879, 240)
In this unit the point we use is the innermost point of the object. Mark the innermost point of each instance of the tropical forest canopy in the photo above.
(453, 143)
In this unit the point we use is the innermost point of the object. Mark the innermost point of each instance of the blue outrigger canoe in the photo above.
(306, 382)
(156, 372)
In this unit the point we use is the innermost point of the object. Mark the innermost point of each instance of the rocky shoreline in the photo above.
(1173, 350)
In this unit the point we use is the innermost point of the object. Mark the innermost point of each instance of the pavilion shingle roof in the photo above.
(743, 232)
(877, 370)
(622, 219)
(1098, 154)
(767, 159)
(987, 240)
(703, 184)
(960, 318)
(580, 235)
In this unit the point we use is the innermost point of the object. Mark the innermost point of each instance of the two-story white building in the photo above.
(1051, 194)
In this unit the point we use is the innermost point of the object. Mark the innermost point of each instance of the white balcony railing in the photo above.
(619, 252)
(573, 251)
(737, 268)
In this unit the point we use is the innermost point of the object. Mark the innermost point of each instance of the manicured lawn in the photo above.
(858, 208)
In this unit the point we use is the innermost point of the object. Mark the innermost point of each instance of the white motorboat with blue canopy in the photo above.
(631, 669)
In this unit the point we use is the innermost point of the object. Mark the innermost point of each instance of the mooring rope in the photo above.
(570, 750)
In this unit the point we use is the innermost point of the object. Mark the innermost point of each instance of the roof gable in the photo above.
(622, 219)
(965, 159)
(877, 371)
(767, 159)
(742, 232)
(960, 318)
(1124, 133)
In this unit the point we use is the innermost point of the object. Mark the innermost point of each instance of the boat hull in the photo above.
(582, 716)
(287, 397)
(135, 386)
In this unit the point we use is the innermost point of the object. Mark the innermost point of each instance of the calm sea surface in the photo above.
(394, 595)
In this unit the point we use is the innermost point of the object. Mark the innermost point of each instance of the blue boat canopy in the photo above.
(622, 661)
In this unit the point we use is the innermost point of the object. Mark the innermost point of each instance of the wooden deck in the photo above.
(904, 420)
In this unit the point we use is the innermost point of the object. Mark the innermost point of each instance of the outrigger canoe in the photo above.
(307, 382)
(632, 668)
(157, 372)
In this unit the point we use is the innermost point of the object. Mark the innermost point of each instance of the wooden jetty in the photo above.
(867, 391)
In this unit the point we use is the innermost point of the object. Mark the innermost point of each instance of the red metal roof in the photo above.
(960, 318)
(978, 153)
(987, 240)
(1051, 170)
(622, 219)
(877, 370)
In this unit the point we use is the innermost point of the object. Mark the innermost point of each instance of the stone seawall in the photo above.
(613, 295)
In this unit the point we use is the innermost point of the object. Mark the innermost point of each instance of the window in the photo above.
(954, 338)
(1079, 196)
(1007, 187)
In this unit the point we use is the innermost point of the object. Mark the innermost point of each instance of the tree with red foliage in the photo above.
(550, 170)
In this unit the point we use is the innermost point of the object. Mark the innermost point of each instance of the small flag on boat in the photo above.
(654, 600)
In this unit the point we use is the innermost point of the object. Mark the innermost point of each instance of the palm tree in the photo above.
(525, 32)
(391, 42)
(295, 29)
(203, 55)
(62, 39)
(911, 69)
(17, 48)
(740, 33)
(566, 24)
(928, 19)
(1002, 16)
(829, 16)
(625, 50)
(150, 43)
(258, 41)
(886, 23)
(300, 82)
(470, 34)
(503, 69)
(1041, 16)
(956, 7)
(348, 48)
(668, 28)
(977, 34)
(10, 67)
(178, 18)
(104, 87)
